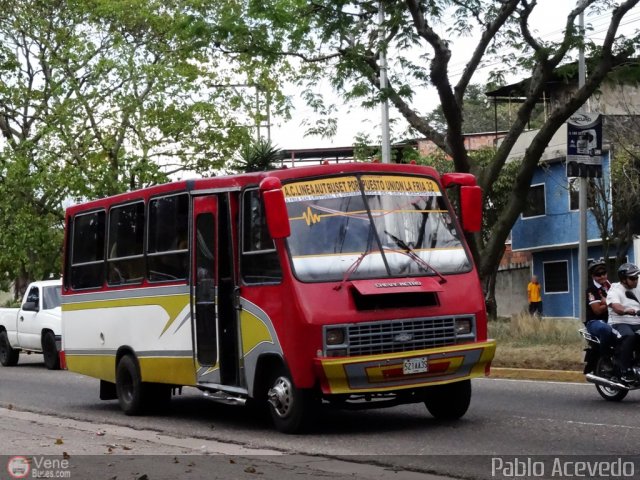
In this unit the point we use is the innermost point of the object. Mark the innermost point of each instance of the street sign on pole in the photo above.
(584, 145)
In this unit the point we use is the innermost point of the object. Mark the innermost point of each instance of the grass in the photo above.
(528, 342)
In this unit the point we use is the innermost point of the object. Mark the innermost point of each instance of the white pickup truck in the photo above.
(34, 327)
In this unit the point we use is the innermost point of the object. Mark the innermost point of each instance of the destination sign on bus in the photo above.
(349, 186)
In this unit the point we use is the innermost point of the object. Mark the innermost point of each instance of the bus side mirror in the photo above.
(455, 178)
(471, 208)
(275, 208)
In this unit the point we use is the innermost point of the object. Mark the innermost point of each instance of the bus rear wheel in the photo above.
(450, 401)
(135, 396)
(291, 408)
(129, 387)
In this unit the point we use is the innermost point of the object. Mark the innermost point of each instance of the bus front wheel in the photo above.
(450, 401)
(291, 408)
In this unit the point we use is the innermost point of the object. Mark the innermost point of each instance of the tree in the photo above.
(101, 96)
(481, 115)
(494, 201)
(257, 156)
(343, 40)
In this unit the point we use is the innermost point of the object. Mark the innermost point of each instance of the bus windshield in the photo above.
(371, 226)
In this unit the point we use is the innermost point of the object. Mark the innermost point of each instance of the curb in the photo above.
(535, 374)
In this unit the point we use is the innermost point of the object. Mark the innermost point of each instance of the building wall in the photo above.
(566, 304)
(559, 225)
(511, 290)
(610, 99)
(472, 141)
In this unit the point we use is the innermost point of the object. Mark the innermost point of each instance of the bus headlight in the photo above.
(335, 336)
(463, 326)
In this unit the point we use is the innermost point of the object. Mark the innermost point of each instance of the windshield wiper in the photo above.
(352, 268)
(410, 252)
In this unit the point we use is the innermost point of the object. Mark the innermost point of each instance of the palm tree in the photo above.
(257, 156)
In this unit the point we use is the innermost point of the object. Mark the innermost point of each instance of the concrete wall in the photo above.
(511, 290)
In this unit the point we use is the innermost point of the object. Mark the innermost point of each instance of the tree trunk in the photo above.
(491, 304)
(20, 285)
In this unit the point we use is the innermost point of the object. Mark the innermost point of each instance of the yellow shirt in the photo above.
(533, 292)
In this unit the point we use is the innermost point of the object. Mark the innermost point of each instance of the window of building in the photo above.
(556, 277)
(87, 250)
(260, 263)
(535, 205)
(126, 239)
(168, 243)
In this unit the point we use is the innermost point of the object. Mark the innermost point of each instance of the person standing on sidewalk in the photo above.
(597, 309)
(534, 296)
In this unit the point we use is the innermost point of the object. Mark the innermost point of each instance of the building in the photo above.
(549, 229)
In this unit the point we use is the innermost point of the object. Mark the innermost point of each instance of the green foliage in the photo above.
(342, 41)
(496, 197)
(257, 156)
(103, 96)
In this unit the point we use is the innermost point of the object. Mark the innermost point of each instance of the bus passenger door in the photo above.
(214, 285)
(204, 280)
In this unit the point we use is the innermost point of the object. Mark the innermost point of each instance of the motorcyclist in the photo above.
(623, 301)
(597, 310)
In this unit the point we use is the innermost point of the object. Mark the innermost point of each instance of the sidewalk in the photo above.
(34, 445)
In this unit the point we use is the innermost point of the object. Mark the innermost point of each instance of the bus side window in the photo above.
(260, 263)
(86, 262)
(168, 248)
(126, 234)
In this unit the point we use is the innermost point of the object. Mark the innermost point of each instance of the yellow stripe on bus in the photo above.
(254, 331)
(173, 370)
(172, 304)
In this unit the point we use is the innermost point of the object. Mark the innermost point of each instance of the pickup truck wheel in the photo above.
(8, 356)
(50, 351)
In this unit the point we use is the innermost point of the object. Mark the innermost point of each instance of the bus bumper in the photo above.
(387, 372)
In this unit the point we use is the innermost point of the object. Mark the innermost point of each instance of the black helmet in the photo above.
(594, 264)
(627, 270)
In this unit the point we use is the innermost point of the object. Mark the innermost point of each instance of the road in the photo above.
(507, 418)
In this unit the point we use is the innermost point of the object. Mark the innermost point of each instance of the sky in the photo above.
(548, 20)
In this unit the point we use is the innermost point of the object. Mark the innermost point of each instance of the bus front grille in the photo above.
(400, 335)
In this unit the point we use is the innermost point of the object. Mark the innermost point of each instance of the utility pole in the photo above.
(582, 198)
(384, 105)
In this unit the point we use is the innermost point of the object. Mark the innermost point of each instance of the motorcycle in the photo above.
(600, 368)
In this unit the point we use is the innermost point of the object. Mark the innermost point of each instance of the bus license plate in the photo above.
(415, 365)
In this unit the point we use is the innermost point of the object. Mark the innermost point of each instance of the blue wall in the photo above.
(554, 237)
(564, 304)
(560, 225)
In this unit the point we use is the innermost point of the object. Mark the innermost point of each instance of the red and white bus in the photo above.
(346, 283)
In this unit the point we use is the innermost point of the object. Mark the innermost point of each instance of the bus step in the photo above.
(222, 397)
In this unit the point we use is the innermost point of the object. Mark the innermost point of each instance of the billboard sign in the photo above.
(584, 138)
